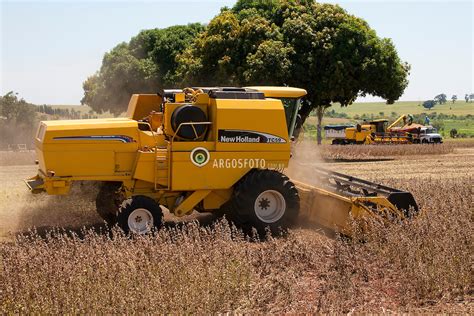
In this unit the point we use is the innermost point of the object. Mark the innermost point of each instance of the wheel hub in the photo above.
(140, 221)
(264, 203)
(270, 206)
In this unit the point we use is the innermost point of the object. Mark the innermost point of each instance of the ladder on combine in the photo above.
(162, 176)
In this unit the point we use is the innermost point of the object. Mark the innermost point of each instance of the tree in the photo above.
(454, 98)
(140, 66)
(17, 120)
(429, 104)
(441, 98)
(335, 56)
(453, 133)
(17, 110)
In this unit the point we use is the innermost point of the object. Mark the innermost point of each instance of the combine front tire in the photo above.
(108, 201)
(265, 199)
(139, 215)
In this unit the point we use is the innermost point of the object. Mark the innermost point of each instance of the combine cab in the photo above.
(206, 150)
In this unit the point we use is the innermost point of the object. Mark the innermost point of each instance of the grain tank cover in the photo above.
(141, 105)
(280, 92)
(236, 95)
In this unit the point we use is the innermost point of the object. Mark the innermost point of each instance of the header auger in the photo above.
(201, 149)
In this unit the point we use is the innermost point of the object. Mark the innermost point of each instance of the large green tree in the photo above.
(140, 66)
(334, 55)
(17, 120)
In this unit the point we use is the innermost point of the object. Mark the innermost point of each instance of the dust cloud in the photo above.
(13, 135)
(305, 158)
(20, 210)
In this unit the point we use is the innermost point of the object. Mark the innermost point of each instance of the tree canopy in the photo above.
(441, 98)
(17, 120)
(140, 66)
(334, 55)
(429, 104)
(16, 110)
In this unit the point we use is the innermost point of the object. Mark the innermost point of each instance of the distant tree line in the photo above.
(19, 118)
(64, 113)
(442, 99)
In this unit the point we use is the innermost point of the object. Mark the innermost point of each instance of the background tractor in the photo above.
(380, 132)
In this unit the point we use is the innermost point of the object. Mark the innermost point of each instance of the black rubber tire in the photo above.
(247, 190)
(135, 202)
(108, 201)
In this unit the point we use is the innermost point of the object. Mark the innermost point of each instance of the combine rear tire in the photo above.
(265, 199)
(139, 215)
(108, 201)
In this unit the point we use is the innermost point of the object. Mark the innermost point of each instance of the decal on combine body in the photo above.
(243, 136)
(119, 138)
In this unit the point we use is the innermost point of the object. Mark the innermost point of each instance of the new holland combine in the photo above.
(380, 132)
(207, 150)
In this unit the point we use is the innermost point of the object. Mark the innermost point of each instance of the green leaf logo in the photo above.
(200, 156)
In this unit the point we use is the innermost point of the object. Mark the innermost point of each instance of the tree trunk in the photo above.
(303, 113)
(320, 113)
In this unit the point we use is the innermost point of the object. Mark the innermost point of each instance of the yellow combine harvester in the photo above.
(380, 132)
(206, 149)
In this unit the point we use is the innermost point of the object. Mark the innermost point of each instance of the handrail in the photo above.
(192, 125)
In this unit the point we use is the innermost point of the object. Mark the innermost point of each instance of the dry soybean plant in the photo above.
(405, 266)
(187, 269)
(423, 264)
(360, 152)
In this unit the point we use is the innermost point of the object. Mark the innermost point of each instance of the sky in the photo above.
(48, 48)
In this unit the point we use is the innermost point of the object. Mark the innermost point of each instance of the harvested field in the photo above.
(12, 158)
(363, 152)
(424, 265)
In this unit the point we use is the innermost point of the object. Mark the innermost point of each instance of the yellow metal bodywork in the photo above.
(280, 92)
(141, 105)
(336, 211)
(143, 152)
(368, 134)
(398, 120)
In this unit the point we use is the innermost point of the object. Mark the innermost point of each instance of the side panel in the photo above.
(87, 148)
(141, 105)
(249, 125)
(145, 167)
(80, 163)
(222, 170)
